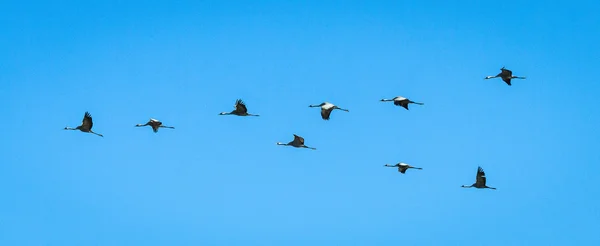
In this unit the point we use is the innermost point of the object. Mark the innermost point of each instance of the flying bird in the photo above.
(86, 125)
(326, 109)
(240, 109)
(506, 76)
(155, 124)
(402, 167)
(401, 101)
(479, 180)
(298, 142)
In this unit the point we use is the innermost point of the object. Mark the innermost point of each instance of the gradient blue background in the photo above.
(221, 180)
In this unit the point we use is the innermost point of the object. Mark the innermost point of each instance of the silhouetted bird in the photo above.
(155, 124)
(86, 125)
(401, 101)
(402, 167)
(240, 109)
(506, 76)
(479, 180)
(298, 142)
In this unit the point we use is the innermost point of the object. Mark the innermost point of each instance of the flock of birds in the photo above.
(326, 109)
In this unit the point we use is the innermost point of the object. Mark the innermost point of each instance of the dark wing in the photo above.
(298, 139)
(240, 107)
(506, 73)
(87, 121)
(506, 80)
(402, 103)
(154, 124)
(402, 169)
(325, 113)
(480, 177)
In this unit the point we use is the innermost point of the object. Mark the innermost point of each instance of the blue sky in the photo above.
(221, 180)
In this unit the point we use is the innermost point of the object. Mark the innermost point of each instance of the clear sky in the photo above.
(221, 180)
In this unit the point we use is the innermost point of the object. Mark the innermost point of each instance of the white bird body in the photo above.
(327, 105)
(399, 98)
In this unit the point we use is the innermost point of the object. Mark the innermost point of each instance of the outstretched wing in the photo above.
(87, 121)
(505, 73)
(507, 80)
(325, 113)
(240, 107)
(402, 169)
(480, 177)
(401, 102)
(298, 139)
